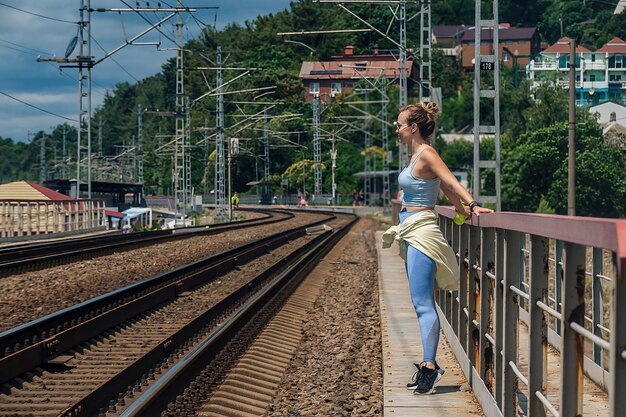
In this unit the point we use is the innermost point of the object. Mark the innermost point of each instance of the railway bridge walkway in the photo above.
(536, 325)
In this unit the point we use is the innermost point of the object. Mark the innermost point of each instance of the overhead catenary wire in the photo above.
(114, 60)
(37, 108)
(38, 52)
(38, 15)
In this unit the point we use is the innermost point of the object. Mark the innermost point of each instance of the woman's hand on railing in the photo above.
(477, 210)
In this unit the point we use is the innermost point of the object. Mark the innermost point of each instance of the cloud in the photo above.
(24, 36)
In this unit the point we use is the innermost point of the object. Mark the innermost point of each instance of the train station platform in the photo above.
(401, 345)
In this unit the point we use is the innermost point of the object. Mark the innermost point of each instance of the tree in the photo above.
(534, 171)
(458, 154)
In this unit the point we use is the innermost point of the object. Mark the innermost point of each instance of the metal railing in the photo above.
(561, 279)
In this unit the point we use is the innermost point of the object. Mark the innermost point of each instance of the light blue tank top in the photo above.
(417, 191)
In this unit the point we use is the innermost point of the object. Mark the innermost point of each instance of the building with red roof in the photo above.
(28, 209)
(516, 45)
(340, 74)
(600, 74)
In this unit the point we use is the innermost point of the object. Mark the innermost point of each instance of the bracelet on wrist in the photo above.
(474, 204)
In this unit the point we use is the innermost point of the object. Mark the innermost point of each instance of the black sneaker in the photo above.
(413, 384)
(427, 379)
(416, 376)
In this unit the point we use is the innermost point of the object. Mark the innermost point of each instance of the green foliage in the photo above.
(534, 140)
(458, 154)
(534, 171)
(544, 207)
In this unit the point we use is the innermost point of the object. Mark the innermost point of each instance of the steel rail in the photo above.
(38, 255)
(177, 379)
(35, 343)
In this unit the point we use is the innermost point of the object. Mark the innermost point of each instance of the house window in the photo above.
(505, 56)
(593, 58)
(508, 42)
(335, 88)
(314, 88)
(592, 77)
(616, 61)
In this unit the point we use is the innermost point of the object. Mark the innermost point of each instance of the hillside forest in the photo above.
(534, 126)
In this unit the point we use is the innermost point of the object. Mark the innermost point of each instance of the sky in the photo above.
(24, 36)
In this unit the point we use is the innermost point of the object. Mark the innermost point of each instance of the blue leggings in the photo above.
(420, 270)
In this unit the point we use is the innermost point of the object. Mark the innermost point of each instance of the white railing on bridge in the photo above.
(563, 278)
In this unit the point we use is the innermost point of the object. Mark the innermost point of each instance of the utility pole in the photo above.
(178, 174)
(139, 149)
(571, 136)
(425, 51)
(205, 159)
(399, 14)
(84, 62)
(317, 147)
(42, 159)
(367, 184)
(403, 150)
(266, 153)
(64, 151)
(220, 175)
(490, 62)
(333, 158)
(386, 152)
(100, 136)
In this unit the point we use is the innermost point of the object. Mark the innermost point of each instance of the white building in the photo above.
(600, 75)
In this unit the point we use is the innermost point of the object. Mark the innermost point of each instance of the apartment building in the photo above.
(600, 74)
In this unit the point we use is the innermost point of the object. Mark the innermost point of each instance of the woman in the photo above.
(425, 250)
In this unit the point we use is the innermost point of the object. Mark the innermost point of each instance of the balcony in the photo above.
(598, 65)
(597, 85)
(617, 84)
(542, 66)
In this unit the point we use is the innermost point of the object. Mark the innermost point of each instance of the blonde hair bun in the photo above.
(432, 109)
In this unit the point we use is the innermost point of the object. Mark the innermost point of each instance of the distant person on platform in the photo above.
(426, 252)
(361, 198)
(235, 200)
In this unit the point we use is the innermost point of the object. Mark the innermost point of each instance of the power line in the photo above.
(38, 108)
(114, 60)
(24, 47)
(38, 15)
(148, 21)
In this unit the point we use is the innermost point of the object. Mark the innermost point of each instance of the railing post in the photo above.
(463, 319)
(597, 303)
(473, 294)
(558, 280)
(487, 258)
(617, 352)
(512, 265)
(455, 304)
(537, 329)
(571, 342)
(499, 324)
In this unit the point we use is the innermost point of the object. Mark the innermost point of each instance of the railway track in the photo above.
(114, 347)
(22, 258)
